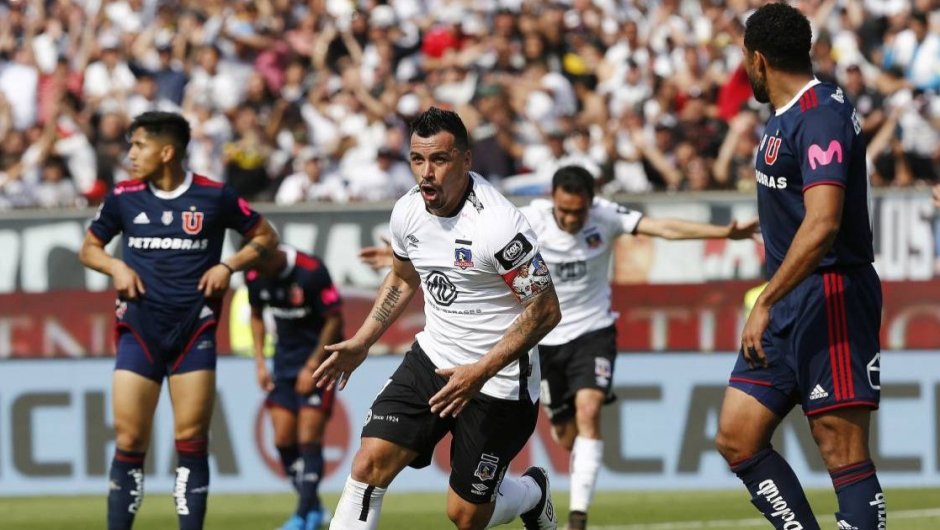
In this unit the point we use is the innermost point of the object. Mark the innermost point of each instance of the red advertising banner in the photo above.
(690, 317)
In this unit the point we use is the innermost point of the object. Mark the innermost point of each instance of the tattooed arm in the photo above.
(533, 287)
(399, 287)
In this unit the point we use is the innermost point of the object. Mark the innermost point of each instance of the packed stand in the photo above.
(293, 101)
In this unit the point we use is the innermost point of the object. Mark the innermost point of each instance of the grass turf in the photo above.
(914, 509)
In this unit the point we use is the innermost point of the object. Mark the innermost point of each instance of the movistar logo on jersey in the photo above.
(167, 243)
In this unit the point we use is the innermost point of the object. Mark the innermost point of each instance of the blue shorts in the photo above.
(822, 346)
(284, 396)
(155, 348)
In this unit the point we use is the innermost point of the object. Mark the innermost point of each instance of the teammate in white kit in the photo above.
(474, 369)
(576, 234)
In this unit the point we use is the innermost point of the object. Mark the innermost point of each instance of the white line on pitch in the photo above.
(749, 523)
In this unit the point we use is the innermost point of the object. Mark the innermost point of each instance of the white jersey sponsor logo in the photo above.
(166, 243)
(579, 264)
(461, 261)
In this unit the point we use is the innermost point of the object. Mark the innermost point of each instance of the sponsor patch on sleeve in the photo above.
(514, 252)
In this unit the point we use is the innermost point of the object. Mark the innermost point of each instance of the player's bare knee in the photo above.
(283, 439)
(369, 469)
(564, 434)
(131, 441)
(730, 447)
(466, 517)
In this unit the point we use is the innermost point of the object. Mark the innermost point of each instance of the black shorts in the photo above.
(585, 362)
(487, 434)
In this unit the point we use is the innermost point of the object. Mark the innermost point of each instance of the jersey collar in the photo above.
(290, 257)
(812, 82)
(459, 207)
(181, 189)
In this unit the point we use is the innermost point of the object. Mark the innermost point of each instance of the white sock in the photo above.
(350, 509)
(516, 496)
(585, 463)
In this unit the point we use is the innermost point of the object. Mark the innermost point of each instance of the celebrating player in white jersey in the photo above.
(474, 370)
(576, 235)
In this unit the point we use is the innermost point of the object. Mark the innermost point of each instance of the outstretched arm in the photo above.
(668, 228)
(399, 287)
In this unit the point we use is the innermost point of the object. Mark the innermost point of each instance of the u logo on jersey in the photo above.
(192, 222)
(773, 149)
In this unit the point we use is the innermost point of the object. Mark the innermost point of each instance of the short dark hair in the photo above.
(435, 120)
(574, 179)
(168, 124)
(781, 34)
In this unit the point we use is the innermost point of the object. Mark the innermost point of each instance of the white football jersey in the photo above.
(580, 264)
(462, 261)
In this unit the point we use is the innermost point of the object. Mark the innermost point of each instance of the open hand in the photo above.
(342, 359)
(214, 281)
(464, 382)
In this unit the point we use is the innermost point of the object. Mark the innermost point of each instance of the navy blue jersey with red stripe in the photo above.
(815, 139)
(299, 299)
(171, 238)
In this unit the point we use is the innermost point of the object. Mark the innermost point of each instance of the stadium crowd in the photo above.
(295, 101)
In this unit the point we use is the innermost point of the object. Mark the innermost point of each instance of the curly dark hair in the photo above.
(435, 120)
(167, 124)
(781, 34)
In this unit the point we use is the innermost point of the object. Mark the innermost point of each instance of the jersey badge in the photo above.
(773, 149)
(192, 221)
(296, 295)
(593, 240)
(167, 217)
(463, 257)
(514, 252)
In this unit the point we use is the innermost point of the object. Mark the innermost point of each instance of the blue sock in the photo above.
(192, 482)
(310, 479)
(861, 500)
(290, 462)
(126, 489)
(775, 490)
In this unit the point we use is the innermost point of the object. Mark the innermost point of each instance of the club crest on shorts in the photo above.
(602, 371)
(486, 468)
(463, 258)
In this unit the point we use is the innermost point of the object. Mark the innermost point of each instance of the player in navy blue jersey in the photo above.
(170, 283)
(306, 309)
(812, 337)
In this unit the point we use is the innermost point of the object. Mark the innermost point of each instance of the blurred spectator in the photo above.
(651, 95)
(246, 156)
(307, 182)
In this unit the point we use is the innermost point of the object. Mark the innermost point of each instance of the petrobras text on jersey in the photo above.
(770, 181)
(167, 243)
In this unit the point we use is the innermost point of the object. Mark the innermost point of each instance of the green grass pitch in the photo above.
(909, 509)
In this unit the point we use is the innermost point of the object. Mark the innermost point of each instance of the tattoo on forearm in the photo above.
(383, 313)
(260, 249)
